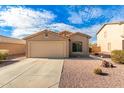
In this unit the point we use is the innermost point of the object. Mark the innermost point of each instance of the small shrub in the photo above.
(98, 71)
(117, 56)
(3, 54)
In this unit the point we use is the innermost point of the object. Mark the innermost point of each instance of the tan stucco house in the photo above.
(49, 44)
(13, 45)
(111, 37)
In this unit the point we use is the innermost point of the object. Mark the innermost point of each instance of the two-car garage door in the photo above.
(47, 49)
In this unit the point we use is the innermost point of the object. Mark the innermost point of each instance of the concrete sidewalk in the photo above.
(32, 73)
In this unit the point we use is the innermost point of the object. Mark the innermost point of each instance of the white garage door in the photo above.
(49, 49)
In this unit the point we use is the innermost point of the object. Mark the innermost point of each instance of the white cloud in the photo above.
(87, 30)
(21, 33)
(92, 30)
(75, 18)
(94, 12)
(85, 14)
(78, 17)
(116, 15)
(61, 27)
(24, 20)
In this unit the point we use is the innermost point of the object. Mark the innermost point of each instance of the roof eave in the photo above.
(82, 35)
(30, 36)
(101, 28)
(109, 24)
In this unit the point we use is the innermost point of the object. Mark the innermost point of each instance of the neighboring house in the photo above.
(14, 46)
(51, 44)
(111, 37)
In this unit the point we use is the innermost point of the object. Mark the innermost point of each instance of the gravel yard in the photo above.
(78, 73)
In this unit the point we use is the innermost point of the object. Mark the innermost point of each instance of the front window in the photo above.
(77, 47)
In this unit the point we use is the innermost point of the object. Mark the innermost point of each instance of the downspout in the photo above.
(123, 38)
(69, 47)
(122, 31)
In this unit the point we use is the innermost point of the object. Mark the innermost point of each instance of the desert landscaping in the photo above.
(78, 73)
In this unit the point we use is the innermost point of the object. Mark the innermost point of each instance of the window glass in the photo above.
(77, 47)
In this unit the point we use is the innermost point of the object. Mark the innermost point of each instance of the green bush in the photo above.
(98, 71)
(3, 54)
(117, 56)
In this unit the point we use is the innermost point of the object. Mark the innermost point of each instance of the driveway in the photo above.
(32, 73)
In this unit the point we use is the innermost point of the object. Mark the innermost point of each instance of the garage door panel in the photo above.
(49, 49)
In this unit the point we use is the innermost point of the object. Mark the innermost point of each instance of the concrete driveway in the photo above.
(32, 73)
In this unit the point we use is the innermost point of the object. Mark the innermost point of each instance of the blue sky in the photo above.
(20, 21)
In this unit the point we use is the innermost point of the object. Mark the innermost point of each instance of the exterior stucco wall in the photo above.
(85, 47)
(110, 34)
(13, 48)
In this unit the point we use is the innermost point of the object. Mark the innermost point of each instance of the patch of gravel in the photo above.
(78, 73)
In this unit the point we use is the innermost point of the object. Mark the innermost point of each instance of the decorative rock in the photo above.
(106, 64)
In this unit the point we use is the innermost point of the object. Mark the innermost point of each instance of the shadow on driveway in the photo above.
(11, 60)
(5, 63)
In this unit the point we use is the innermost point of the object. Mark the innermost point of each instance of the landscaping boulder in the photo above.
(106, 64)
